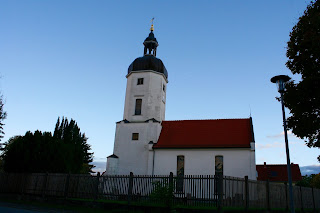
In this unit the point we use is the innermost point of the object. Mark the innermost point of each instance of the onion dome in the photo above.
(149, 61)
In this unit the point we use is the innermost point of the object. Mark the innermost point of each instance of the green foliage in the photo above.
(303, 98)
(306, 180)
(163, 191)
(315, 182)
(63, 152)
(75, 155)
(310, 181)
(303, 47)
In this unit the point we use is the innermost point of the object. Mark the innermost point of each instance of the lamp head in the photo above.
(280, 80)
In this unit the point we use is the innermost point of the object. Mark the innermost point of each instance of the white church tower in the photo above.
(144, 110)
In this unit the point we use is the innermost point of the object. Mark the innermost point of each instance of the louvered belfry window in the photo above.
(138, 107)
(140, 81)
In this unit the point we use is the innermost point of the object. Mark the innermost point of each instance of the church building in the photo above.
(146, 144)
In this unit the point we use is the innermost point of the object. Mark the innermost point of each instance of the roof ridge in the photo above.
(210, 119)
(276, 164)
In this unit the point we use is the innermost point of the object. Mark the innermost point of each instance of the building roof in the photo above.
(222, 133)
(112, 156)
(147, 63)
(278, 172)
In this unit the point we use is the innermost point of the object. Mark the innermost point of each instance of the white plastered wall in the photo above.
(133, 154)
(237, 162)
(152, 95)
(112, 166)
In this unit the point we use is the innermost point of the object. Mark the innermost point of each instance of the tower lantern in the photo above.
(150, 43)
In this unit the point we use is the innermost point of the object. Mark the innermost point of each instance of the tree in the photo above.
(3, 115)
(315, 182)
(28, 153)
(306, 181)
(303, 98)
(65, 151)
(310, 181)
(74, 143)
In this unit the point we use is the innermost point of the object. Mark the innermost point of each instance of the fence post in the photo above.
(66, 187)
(24, 179)
(97, 186)
(301, 201)
(6, 184)
(286, 188)
(130, 188)
(170, 189)
(246, 192)
(268, 194)
(314, 203)
(44, 189)
(220, 191)
(171, 179)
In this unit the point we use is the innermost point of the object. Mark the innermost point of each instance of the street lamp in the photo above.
(280, 80)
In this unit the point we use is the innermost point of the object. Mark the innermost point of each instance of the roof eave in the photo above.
(209, 147)
(147, 71)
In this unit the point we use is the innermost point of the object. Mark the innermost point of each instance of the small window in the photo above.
(135, 136)
(274, 174)
(140, 81)
(164, 88)
(138, 107)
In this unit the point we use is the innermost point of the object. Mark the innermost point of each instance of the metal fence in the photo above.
(188, 190)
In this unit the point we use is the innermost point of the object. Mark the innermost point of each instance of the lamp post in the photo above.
(280, 80)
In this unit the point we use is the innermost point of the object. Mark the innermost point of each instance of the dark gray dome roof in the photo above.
(148, 62)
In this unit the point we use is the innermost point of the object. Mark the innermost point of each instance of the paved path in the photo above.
(23, 208)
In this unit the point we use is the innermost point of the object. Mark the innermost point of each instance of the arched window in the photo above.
(180, 173)
(180, 165)
(219, 164)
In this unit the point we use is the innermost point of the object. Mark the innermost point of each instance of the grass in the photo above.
(122, 206)
(181, 206)
(71, 208)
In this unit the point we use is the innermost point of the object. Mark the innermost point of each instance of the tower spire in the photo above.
(152, 29)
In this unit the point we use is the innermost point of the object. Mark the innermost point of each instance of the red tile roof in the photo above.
(220, 133)
(278, 173)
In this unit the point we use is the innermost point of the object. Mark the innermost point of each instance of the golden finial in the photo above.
(151, 29)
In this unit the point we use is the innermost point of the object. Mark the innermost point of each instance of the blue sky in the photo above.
(69, 58)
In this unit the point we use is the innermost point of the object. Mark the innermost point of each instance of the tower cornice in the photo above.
(143, 71)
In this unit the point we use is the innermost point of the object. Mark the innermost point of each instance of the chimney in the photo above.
(264, 165)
